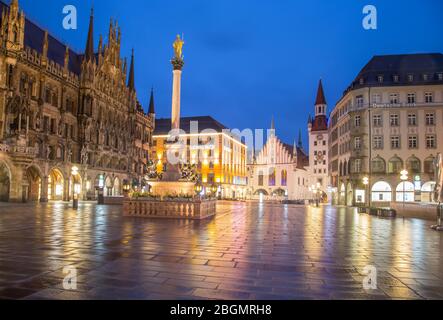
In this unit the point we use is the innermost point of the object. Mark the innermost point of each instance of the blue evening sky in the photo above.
(247, 60)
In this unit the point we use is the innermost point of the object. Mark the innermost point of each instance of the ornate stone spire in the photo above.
(151, 103)
(89, 51)
(131, 80)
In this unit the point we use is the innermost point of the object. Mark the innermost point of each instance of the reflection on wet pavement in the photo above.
(248, 251)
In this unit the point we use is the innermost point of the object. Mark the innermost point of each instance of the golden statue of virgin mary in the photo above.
(178, 47)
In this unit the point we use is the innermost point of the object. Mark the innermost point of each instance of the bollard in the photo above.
(439, 225)
(75, 202)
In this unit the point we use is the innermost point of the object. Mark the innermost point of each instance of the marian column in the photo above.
(177, 64)
(172, 172)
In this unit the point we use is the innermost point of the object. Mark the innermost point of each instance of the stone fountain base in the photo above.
(194, 209)
(163, 188)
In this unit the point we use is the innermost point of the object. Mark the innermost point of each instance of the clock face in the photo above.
(319, 137)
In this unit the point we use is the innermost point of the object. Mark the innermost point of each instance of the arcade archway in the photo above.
(350, 196)
(117, 187)
(32, 183)
(5, 182)
(56, 183)
(108, 186)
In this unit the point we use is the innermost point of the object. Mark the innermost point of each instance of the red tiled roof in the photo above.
(320, 123)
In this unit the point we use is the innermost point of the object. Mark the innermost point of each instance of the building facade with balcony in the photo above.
(219, 156)
(388, 120)
(60, 110)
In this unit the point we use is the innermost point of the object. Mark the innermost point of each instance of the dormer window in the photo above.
(380, 79)
(362, 81)
(425, 77)
(410, 77)
(395, 78)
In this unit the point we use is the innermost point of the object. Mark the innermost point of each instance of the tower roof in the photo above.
(320, 94)
(131, 81)
(89, 51)
(151, 103)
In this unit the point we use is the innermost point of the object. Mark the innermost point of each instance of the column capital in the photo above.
(177, 64)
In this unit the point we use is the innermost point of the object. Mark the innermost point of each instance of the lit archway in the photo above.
(350, 196)
(342, 197)
(117, 188)
(32, 182)
(261, 191)
(108, 186)
(279, 192)
(405, 192)
(381, 192)
(56, 183)
(5, 181)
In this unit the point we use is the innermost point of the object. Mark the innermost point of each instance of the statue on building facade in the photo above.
(84, 157)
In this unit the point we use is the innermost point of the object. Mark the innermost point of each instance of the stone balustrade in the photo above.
(18, 149)
(181, 209)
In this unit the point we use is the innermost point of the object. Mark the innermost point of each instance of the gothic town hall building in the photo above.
(60, 109)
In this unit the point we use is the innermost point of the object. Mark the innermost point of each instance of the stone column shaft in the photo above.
(176, 88)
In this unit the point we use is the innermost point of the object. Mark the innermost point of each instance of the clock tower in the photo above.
(318, 145)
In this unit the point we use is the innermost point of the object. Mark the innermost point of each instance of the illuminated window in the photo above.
(381, 191)
(284, 178)
(272, 178)
(405, 192)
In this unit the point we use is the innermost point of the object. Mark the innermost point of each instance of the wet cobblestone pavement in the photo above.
(248, 251)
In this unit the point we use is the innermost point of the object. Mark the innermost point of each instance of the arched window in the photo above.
(381, 192)
(413, 165)
(378, 165)
(429, 165)
(284, 178)
(272, 177)
(395, 165)
(405, 192)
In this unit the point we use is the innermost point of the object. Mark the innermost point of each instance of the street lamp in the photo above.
(404, 178)
(214, 190)
(126, 187)
(198, 188)
(315, 188)
(76, 187)
(366, 184)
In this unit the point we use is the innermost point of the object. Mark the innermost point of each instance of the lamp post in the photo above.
(198, 188)
(74, 173)
(366, 183)
(404, 178)
(126, 188)
(318, 193)
(315, 189)
(214, 189)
